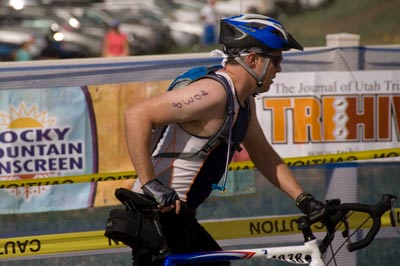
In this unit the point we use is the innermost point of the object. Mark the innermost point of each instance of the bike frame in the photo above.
(308, 253)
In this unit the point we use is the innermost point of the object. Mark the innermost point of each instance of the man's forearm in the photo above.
(288, 182)
(138, 138)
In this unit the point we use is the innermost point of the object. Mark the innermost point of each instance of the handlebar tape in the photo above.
(375, 212)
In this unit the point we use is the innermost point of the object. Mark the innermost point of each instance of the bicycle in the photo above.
(335, 214)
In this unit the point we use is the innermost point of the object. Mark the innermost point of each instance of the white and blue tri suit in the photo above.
(192, 178)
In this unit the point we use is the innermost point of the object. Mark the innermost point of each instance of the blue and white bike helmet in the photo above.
(255, 31)
(252, 32)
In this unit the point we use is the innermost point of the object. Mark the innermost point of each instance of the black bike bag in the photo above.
(138, 224)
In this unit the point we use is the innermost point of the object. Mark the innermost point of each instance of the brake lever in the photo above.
(394, 221)
(346, 231)
(330, 222)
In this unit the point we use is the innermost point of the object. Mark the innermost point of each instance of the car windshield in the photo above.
(36, 23)
(38, 19)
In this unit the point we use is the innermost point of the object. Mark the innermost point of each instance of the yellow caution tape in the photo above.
(20, 183)
(220, 229)
(54, 244)
(327, 158)
(294, 161)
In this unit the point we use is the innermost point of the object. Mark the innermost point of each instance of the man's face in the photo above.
(273, 59)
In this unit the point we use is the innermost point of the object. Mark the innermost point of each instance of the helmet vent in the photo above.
(256, 25)
(279, 34)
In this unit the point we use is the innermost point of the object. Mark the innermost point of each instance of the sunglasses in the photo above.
(274, 59)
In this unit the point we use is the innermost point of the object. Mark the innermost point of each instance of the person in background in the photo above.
(115, 42)
(24, 52)
(252, 55)
(51, 49)
(209, 17)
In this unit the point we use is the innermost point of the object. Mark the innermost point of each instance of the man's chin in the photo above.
(262, 90)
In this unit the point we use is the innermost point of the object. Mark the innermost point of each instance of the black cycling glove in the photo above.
(165, 196)
(309, 205)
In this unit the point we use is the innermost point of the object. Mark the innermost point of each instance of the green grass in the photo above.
(376, 21)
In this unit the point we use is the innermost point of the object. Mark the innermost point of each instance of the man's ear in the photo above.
(251, 59)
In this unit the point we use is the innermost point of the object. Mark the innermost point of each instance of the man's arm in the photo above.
(271, 165)
(198, 108)
(138, 128)
(267, 161)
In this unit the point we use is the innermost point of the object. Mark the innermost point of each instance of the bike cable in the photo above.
(334, 253)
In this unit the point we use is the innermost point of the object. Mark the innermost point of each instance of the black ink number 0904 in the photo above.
(190, 100)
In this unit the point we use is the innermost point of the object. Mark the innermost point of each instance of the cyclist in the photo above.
(252, 47)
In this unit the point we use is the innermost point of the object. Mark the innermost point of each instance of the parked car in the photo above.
(54, 26)
(158, 24)
(235, 7)
(20, 4)
(185, 22)
(11, 38)
(151, 28)
(296, 6)
(313, 4)
(96, 21)
(143, 37)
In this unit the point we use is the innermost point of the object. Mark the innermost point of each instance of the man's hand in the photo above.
(166, 197)
(309, 205)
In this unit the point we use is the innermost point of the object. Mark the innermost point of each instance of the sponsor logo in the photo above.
(33, 146)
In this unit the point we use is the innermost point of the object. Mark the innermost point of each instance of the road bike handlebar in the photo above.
(335, 213)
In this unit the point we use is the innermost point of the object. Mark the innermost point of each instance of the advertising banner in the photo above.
(59, 132)
(46, 132)
(316, 113)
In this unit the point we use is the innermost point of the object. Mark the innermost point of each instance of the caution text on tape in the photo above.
(220, 229)
(295, 161)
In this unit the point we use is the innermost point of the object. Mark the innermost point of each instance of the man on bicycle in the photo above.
(252, 47)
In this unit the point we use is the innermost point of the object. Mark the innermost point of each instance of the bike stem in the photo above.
(304, 224)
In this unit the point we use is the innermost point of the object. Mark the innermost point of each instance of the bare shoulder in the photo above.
(202, 100)
(203, 103)
(205, 90)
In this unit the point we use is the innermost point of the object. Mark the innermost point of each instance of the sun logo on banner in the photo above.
(23, 117)
(18, 121)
